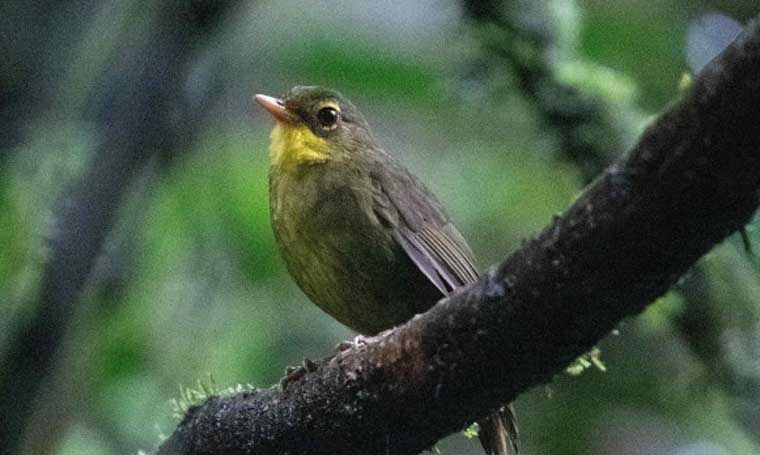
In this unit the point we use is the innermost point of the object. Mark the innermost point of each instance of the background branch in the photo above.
(532, 41)
(690, 181)
(142, 112)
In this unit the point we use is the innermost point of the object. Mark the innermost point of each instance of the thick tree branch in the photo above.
(691, 180)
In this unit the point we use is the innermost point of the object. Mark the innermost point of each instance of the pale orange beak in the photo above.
(276, 107)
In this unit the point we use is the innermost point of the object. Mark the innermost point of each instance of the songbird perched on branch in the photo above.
(363, 237)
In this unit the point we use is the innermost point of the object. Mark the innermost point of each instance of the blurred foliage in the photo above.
(190, 282)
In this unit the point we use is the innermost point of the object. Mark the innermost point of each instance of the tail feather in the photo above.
(498, 432)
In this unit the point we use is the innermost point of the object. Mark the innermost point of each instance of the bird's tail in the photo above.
(498, 432)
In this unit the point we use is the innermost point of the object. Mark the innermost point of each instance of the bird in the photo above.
(362, 236)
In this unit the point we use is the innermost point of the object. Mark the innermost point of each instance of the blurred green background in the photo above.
(134, 226)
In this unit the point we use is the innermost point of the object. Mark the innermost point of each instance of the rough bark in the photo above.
(691, 180)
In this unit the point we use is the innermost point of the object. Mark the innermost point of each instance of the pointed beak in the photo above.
(276, 107)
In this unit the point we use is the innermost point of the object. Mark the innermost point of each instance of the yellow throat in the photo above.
(292, 145)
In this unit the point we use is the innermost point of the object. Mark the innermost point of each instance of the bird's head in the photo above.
(314, 125)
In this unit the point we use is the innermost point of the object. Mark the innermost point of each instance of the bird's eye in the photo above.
(328, 117)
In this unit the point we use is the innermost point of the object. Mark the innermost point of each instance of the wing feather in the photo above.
(422, 229)
(455, 254)
(421, 258)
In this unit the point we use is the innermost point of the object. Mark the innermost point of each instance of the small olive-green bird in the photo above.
(363, 237)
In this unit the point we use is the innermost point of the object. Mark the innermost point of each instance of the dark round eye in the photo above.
(328, 117)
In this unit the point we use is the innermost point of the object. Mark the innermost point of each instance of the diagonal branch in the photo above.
(692, 179)
(525, 39)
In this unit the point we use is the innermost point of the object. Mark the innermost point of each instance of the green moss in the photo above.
(587, 360)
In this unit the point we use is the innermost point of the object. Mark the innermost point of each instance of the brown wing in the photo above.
(421, 227)
(442, 249)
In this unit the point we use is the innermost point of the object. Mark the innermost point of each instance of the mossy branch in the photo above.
(691, 180)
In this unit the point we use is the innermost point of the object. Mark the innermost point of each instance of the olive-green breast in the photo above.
(340, 253)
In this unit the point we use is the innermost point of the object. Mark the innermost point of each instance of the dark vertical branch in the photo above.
(139, 108)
